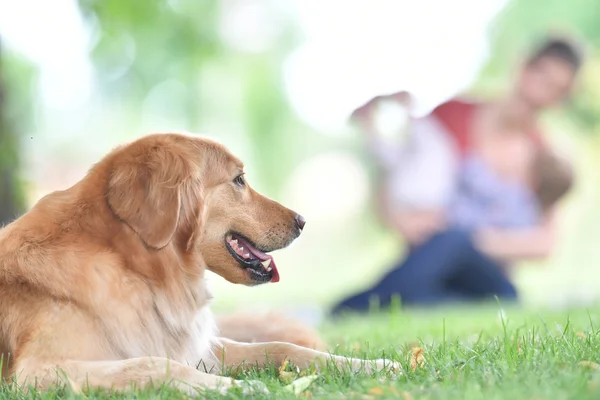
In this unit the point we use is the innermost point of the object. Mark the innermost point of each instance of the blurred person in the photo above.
(473, 188)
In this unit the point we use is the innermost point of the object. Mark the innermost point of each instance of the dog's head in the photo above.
(191, 194)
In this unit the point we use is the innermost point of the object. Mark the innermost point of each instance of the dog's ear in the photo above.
(145, 192)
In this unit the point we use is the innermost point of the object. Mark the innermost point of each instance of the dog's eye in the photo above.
(239, 180)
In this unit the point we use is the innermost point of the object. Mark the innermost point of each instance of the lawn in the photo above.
(485, 353)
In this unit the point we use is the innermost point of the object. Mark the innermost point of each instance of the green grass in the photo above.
(485, 353)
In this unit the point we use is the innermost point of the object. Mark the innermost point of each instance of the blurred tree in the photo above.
(11, 196)
(163, 54)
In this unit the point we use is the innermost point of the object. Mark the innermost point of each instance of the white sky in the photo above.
(358, 49)
(53, 35)
(354, 49)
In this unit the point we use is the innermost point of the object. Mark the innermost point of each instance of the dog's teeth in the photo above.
(246, 255)
(267, 264)
(234, 241)
(241, 249)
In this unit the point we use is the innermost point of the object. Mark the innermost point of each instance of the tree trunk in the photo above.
(10, 199)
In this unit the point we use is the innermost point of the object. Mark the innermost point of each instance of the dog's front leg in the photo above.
(124, 375)
(243, 355)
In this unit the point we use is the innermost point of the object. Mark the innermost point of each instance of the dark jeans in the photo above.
(444, 269)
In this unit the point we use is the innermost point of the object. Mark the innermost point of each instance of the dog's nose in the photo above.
(300, 221)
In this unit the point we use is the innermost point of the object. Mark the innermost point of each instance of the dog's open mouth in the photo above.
(260, 266)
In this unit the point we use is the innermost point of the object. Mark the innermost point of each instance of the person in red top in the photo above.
(460, 190)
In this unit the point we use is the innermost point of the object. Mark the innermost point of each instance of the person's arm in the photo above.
(512, 245)
(363, 114)
(416, 226)
(385, 154)
(412, 197)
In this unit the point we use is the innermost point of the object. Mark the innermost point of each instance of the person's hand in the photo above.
(488, 240)
(418, 226)
(365, 111)
(515, 244)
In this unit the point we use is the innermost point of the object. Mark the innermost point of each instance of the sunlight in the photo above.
(356, 50)
(66, 78)
(328, 187)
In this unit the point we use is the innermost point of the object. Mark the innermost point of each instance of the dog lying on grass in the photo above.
(102, 284)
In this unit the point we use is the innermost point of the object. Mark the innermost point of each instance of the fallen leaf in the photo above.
(300, 384)
(376, 391)
(407, 396)
(283, 366)
(589, 364)
(308, 371)
(287, 377)
(417, 359)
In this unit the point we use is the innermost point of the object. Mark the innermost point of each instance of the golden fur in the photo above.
(104, 282)
(271, 327)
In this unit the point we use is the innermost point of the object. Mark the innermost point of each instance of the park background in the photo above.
(275, 81)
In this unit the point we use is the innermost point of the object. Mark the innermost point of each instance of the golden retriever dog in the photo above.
(102, 285)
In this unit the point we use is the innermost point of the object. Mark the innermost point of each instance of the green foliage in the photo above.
(523, 23)
(585, 105)
(16, 84)
(142, 45)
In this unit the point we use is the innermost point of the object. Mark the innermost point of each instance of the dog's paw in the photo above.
(251, 387)
(385, 365)
(220, 385)
(380, 365)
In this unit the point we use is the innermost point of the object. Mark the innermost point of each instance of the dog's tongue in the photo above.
(264, 257)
